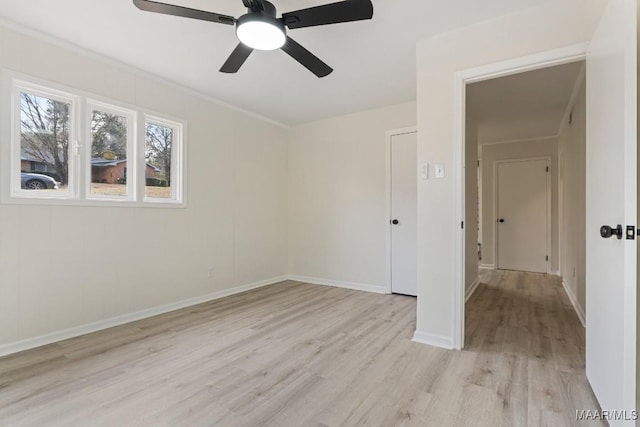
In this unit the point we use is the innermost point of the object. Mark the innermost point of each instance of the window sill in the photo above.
(41, 201)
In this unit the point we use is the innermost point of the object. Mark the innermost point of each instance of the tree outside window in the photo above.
(108, 133)
(158, 146)
(44, 133)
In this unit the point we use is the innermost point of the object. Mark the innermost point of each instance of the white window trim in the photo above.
(78, 193)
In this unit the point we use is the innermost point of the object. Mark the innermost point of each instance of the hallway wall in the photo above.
(572, 155)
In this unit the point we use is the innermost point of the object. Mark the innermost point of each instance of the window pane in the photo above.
(44, 143)
(108, 154)
(158, 145)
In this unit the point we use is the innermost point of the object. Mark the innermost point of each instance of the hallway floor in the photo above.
(530, 347)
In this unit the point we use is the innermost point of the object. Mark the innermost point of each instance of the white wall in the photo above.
(337, 195)
(62, 267)
(548, 26)
(511, 151)
(571, 147)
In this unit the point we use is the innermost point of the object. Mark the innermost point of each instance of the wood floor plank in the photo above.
(295, 354)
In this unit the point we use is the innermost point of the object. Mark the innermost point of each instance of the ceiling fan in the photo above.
(260, 29)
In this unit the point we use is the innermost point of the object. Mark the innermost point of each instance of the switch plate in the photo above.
(425, 171)
(438, 170)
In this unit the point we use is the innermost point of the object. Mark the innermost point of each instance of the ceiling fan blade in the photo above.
(170, 9)
(306, 58)
(236, 59)
(334, 13)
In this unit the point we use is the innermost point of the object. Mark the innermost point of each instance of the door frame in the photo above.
(565, 55)
(388, 136)
(495, 206)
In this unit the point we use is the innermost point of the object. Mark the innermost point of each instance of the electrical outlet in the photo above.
(212, 273)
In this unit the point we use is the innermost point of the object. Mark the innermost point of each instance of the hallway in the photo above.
(530, 347)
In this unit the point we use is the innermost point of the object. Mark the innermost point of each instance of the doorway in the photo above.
(403, 221)
(483, 144)
(523, 199)
(611, 196)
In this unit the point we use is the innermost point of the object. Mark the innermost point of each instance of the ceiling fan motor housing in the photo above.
(268, 9)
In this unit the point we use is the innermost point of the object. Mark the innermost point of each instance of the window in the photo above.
(159, 168)
(72, 148)
(111, 132)
(43, 141)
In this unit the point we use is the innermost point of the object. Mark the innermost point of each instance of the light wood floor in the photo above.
(304, 355)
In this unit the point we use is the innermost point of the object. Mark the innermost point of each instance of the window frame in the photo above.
(79, 180)
(177, 162)
(131, 174)
(19, 87)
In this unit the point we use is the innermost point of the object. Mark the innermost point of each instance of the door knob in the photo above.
(606, 231)
(395, 222)
(501, 220)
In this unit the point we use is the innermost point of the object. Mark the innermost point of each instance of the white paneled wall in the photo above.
(337, 196)
(64, 267)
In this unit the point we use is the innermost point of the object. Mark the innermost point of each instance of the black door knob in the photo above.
(395, 222)
(501, 220)
(606, 231)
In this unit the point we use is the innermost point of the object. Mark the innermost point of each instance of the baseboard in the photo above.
(433, 340)
(487, 266)
(53, 337)
(471, 289)
(339, 284)
(574, 303)
(556, 273)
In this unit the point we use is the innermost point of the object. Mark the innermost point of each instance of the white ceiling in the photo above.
(522, 106)
(374, 61)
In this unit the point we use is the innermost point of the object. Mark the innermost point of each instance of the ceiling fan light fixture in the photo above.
(260, 31)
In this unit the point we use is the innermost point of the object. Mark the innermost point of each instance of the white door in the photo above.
(404, 207)
(610, 200)
(522, 222)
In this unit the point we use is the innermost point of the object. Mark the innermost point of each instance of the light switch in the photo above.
(425, 171)
(438, 170)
